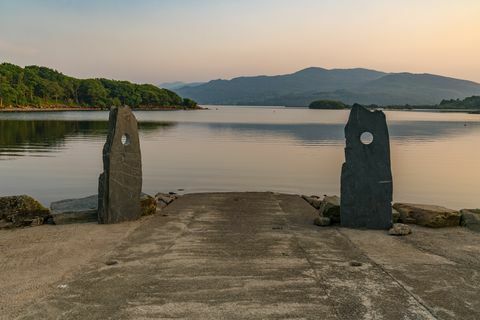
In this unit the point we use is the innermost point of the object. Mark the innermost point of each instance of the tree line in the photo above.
(467, 103)
(41, 86)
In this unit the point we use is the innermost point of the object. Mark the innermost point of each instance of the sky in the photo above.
(155, 41)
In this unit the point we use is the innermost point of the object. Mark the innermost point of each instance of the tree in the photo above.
(92, 93)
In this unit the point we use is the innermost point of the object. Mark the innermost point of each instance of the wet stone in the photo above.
(120, 184)
(366, 182)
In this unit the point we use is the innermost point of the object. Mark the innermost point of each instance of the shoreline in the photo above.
(61, 109)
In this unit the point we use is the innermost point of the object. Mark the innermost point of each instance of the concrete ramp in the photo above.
(258, 256)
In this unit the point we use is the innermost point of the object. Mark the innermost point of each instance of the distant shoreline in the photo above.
(60, 109)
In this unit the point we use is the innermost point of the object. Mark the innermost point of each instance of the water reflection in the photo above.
(332, 134)
(40, 137)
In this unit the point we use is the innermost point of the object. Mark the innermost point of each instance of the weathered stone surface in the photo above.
(366, 183)
(120, 184)
(314, 201)
(395, 215)
(427, 215)
(21, 211)
(69, 211)
(322, 221)
(4, 224)
(164, 199)
(330, 208)
(470, 219)
(148, 205)
(400, 229)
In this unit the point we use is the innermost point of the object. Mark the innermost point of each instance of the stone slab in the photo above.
(69, 211)
(120, 184)
(366, 181)
(428, 215)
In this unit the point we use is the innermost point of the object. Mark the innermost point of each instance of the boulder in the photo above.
(69, 211)
(164, 199)
(395, 215)
(400, 229)
(21, 211)
(148, 205)
(314, 201)
(322, 221)
(427, 215)
(470, 219)
(4, 224)
(330, 208)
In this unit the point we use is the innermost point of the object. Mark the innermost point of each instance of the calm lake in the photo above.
(58, 155)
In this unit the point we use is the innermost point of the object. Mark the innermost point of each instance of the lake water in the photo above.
(54, 156)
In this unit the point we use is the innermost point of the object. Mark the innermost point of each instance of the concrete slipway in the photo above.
(258, 256)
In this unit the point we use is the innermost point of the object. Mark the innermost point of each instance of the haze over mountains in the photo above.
(347, 85)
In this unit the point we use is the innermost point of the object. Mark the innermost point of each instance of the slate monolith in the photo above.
(120, 184)
(366, 183)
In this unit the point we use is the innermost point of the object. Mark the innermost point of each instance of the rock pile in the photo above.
(164, 199)
(328, 209)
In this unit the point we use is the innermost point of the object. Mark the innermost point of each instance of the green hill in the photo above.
(40, 86)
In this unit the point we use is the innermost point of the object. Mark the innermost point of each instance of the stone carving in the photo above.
(366, 186)
(120, 184)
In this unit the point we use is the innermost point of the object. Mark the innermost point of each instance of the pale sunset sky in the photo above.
(197, 40)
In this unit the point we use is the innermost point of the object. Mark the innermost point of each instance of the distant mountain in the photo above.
(346, 85)
(178, 84)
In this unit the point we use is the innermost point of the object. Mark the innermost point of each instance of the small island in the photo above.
(327, 105)
(469, 104)
(36, 88)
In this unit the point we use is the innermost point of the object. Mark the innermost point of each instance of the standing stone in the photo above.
(366, 186)
(120, 184)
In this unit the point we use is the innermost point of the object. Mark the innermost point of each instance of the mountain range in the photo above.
(346, 85)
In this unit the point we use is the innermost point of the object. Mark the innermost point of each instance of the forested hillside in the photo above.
(41, 86)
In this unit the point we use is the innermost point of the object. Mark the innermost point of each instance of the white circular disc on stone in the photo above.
(366, 138)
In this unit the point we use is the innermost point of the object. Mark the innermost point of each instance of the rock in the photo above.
(395, 215)
(427, 215)
(366, 182)
(148, 205)
(111, 262)
(400, 229)
(120, 184)
(322, 221)
(330, 208)
(21, 211)
(4, 224)
(470, 219)
(164, 199)
(314, 201)
(69, 211)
